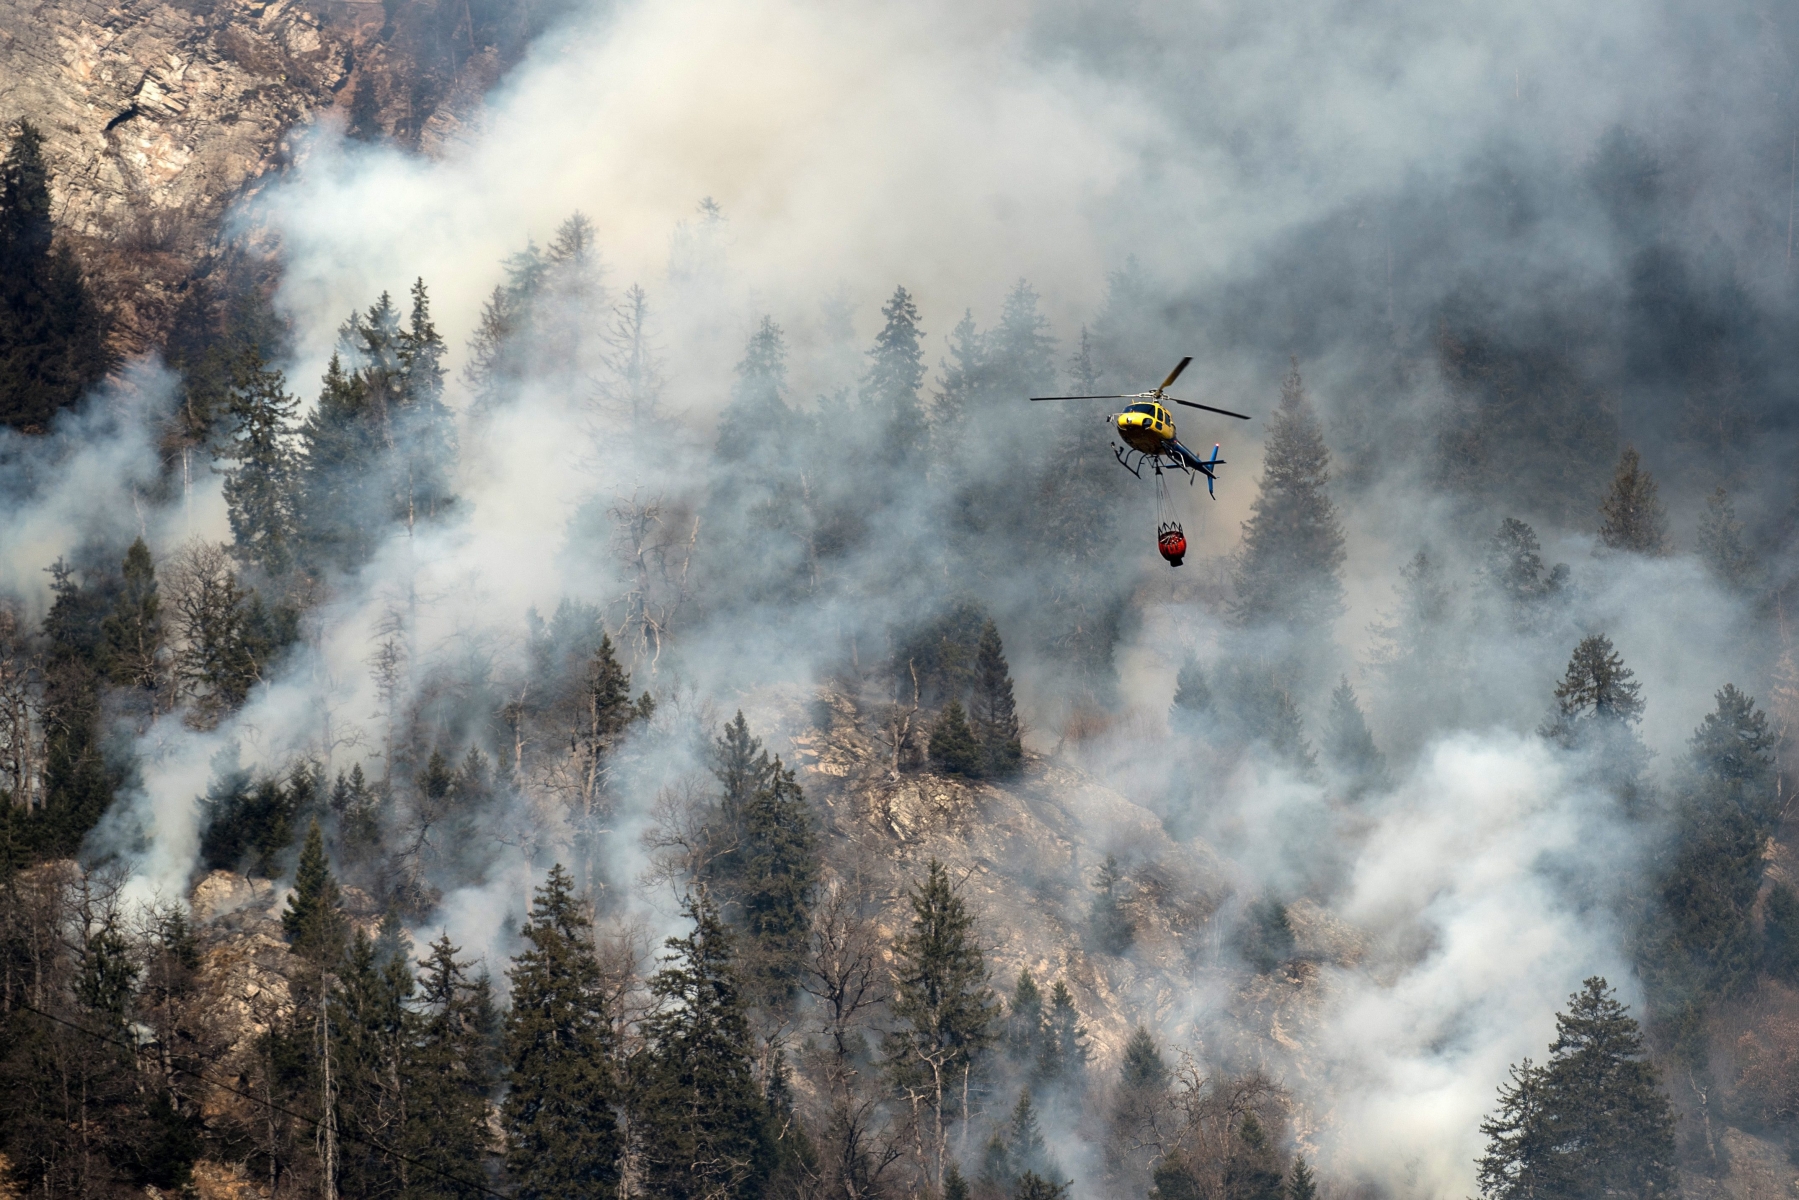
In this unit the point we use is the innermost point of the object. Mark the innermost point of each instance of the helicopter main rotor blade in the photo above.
(1221, 411)
(1083, 397)
(1176, 373)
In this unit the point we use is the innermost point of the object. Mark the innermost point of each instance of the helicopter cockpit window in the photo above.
(1148, 410)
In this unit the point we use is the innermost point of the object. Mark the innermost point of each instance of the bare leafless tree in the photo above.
(655, 546)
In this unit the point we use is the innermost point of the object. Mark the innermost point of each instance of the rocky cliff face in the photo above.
(158, 115)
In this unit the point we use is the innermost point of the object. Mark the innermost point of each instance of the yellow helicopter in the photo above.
(1147, 430)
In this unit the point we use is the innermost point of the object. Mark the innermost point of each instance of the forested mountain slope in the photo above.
(544, 650)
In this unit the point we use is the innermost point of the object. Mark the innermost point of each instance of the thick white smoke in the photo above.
(953, 149)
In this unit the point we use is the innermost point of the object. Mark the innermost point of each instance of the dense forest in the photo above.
(551, 759)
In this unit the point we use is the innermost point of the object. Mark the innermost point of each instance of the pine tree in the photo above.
(1287, 569)
(1348, 746)
(954, 1186)
(574, 296)
(1301, 1185)
(372, 1030)
(1597, 687)
(562, 1139)
(1111, 926)
(1020, 349)
(1265, 939)
(995, 715)
(78, 783)
(1024, 1020)
(780, 869)
(953, 748)
(313, 919)
(341, 506)
(1591, 1121)
(1701, 943)
(1063, 1057)
(380, 446)
(1721, 545)
(1175, 1180)
(492, 359)
(1514, 569)
(895, 373)
(741, 766)
(696, 1107)
(605, 710)
(1598, 705)
(1025, 1151)
(1032, 1186)
(763, 491)
(133, 647)
(259, 489)
(962, 387)
(944, 1008)
(421, 431)
(449, 1070)
(52, 334)
(1252, 1172)
(1142, 1067)
(1634, 520)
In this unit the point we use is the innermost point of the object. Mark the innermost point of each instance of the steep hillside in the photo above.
(158, 115)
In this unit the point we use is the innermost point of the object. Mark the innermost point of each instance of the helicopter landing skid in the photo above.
(1156, 462)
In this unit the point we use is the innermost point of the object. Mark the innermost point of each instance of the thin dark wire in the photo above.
(272, 1106)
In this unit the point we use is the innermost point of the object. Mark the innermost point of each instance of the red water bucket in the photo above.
(1172, 543)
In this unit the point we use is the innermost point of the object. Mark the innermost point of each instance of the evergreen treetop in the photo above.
(1142, 1067)
(953, 748)
(260, 488)
(1253, 1172)
(1591, 1121)
(1348, 745)
(1597, 688)
(1514, 568)
(696, 1107)
(1721, 544)
(995, 715)
(1633, 517)
(947, 1011)
(1733, 743)
(895, 373)
(1293, 546)
(1301, 1184)
(1024, 1019)
(313, 919)
(52, 334)
(561, 1136)
(132, 639)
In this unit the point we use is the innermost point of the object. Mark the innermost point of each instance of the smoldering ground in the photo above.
(1586, 194)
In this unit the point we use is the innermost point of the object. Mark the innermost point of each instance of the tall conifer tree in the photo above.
(1287, 569)
(52, 335)
(946, 1011)
(1591, 1121)
(1633, 518)
(562, 1138)
(895, 373)
(259, 488)
(696, 1107)
(995, 715)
